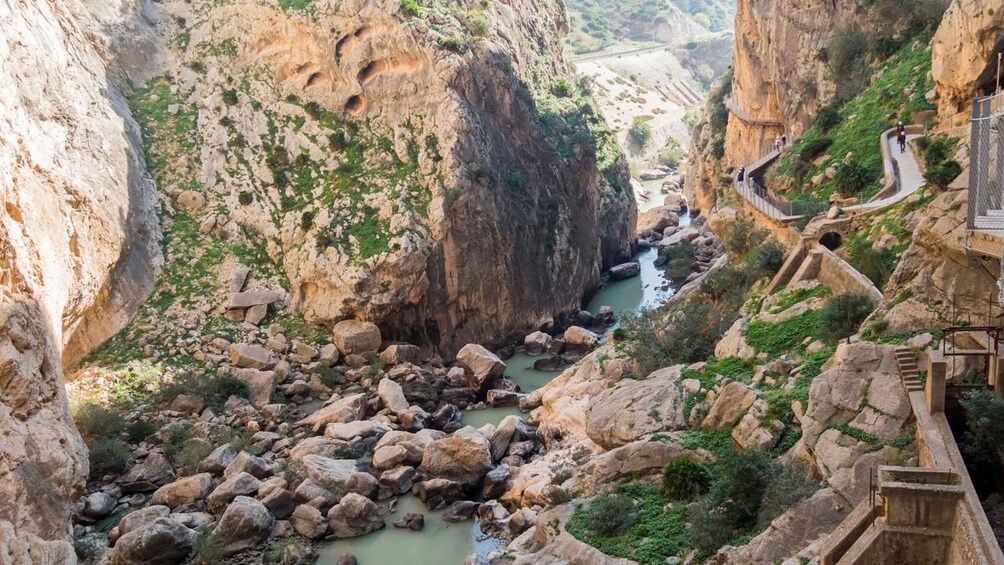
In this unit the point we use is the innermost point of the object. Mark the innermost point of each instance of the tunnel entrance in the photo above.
(831, 240)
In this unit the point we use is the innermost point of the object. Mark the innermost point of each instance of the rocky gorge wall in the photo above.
(964, 48)
(78, 251)
(437, 175)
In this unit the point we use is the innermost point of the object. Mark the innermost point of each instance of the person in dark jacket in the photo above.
(741, 176)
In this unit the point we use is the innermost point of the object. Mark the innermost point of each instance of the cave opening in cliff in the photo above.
(831, 241)
(989, 81)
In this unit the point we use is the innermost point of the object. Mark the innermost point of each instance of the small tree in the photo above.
(641, 133)
(685, 479)
(843, 315)
(852, 178)
(984, 425)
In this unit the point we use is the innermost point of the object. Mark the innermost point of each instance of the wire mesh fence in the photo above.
(986, 166)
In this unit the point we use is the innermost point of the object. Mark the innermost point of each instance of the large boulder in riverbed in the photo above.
(624, 271)
(245, 524)
(580, 337)
(621, 414)
(537, 343)
(348, 409)
(354, 516)
(657, 219)
(464, 457)
(356, 338)
(392, 396)
(184, 491)
(309, 522)
(261, 385)
(248, 356)
(161, 542)
(481, 366)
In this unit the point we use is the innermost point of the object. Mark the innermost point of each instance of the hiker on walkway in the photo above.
(777, 143)
(741, 176)
(901, 137)
(784, 140)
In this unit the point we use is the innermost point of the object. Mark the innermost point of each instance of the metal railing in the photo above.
(776, 207)
(986, 168)
(731, 105)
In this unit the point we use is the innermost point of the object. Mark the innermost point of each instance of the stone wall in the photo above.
(825, 266)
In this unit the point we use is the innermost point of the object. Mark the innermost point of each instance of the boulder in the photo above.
(354, 516)
(442, 489)
(411, 521)
(389, 457)
(248, 356)
(348, 409)
(329, 473)
(245, 524)
(624, 271)
(329, 355)
(503, 435)
(356, 338)
(251, 464)
(154, 471)
(241, 484)
(481, 366)
(279, 502)
(140, 518)
(309, 522)
(399, 353)
(218, 461)
(187, 490)
(99, 505)
(352, 430)
(537, 343)
(188, 404)
(243, 300)
(392, 396)
(261, 385)
(730, 405)
(463, 457)
(631, 409)
(399, 479)
(161, 542)
(190, 200)
(323, 446)
(579, 336)
(657, 219)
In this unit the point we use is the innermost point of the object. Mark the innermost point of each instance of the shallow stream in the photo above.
(442, 543)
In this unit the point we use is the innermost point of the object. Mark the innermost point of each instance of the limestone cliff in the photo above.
(77, 251)
(965, 48)
(428, 169)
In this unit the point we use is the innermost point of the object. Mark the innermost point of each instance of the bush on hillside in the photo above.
(743, 236)
(95, 421)
(611, 513)
(876, 264)
(842, 315)
(827, 118)
(942, 174)
(769, 258)
(215, 390)
(140, 430)
(685, 479)
(109, 456)
(852, 178)
(815, 146)
(652, 341)
(679, 261)
(641, 133)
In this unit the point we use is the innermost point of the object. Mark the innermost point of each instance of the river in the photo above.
(443, 543)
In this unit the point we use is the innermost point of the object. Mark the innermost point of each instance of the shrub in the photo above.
(684, 479)
(815, 146)
(827, 118)
(611, 513)
(453, 44)
(652, 343)
(943, 174)
(679, 261)
(230, 97)
(842, 315)
(478, 24)
(876, 264)
(984, 425)
(192, 452)
(95, 421)
(724, 281)
(109, 456)
(140, 430)
(769, 258)
(245, 198)
(641, 133)
(215, 390)
(743, 236)
(562, 88)
(307, 220)
(718, 148)
(852, 178)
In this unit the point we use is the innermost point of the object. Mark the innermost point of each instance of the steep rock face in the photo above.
(77, 229)
(965, 45)
(398, 166)
(45, 461)
(78, 249)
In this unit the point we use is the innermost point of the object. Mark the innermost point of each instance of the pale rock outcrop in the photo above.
(731, 404)
(186, 490)
(631, 409)
(548, 543)
(348, 409)
(636, 460)
(577, 335)
(964, 52)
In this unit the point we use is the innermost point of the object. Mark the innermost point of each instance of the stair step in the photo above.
(995, 213)
(989, 223)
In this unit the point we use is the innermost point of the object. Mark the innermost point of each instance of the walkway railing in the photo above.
(986, 168)
(731, 105)
(771, 205)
